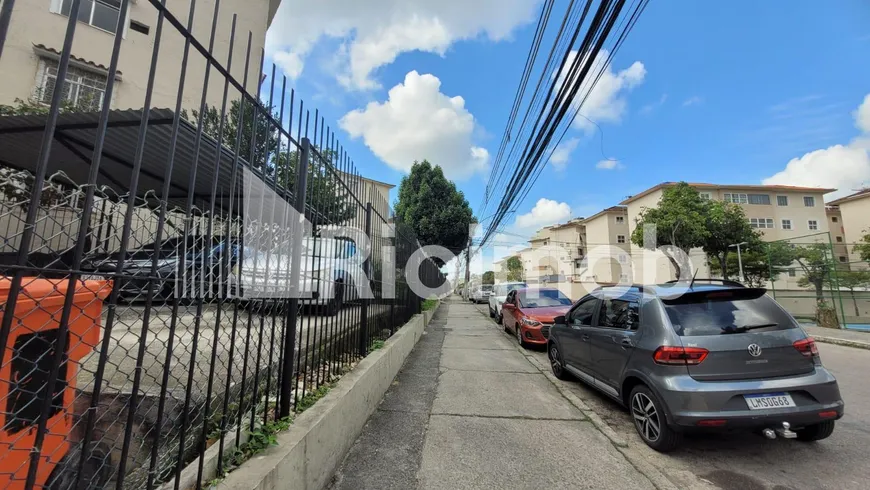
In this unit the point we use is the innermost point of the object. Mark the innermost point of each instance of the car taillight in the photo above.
(807, 347)
(680, 356)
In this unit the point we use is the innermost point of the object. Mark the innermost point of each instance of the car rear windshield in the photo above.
(717, 313)
(544, 298)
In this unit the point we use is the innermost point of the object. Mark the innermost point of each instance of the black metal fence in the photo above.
(175, 278)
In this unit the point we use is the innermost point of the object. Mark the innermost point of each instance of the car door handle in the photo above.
(625, 342)
(585, 338)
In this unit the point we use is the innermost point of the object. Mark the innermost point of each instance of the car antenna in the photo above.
(693, 279)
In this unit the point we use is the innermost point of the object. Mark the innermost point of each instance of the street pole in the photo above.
(468, 269)
(739, 260)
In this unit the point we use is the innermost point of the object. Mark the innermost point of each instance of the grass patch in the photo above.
(429, 304)
(310, 399)
(377, 344)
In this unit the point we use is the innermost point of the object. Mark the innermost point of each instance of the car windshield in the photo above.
(725, 315)
(487, 288)
(543, 298)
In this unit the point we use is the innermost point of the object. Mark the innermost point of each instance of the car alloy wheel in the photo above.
(646, 417)
(519, 333)
(555, 362)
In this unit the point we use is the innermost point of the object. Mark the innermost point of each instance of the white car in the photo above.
(481, 294)
(499, 295)
(323, 278)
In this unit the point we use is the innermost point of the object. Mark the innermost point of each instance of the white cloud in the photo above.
(608, 165)
(417, 121)
(290, 63)
(606, 102)
(375, 32)
(862, 115)
(546, 212)
(562, 153)
(649, 108)
(843, 167)
(693, 100)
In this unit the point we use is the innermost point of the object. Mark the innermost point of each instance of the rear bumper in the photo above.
(689, 402)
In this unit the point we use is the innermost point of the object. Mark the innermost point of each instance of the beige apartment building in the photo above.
(853, 214)
(36, 33)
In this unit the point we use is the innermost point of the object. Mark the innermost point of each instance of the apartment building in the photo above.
(853, 216)
(778, 212)
(36, 34)
(555, 253)
(838, 235)
(609, 243)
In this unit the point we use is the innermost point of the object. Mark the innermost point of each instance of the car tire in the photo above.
(816, 432)
(491, 313)
(650, 421)
(518, 333)
(337, 300)
(556, 363)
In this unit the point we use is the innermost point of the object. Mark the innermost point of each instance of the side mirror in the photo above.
(560, 320)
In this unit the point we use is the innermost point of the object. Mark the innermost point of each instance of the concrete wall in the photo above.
(855, 222)
(309, 452)
(34, 23)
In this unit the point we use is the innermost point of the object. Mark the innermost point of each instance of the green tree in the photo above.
(514, 268)
(328, 200)
(762, 262)
(435, 210)
(817, 262)
(680, 219)
(253, 119)
(727, 225)
(853, 280)
(488, 278)
(862, 248)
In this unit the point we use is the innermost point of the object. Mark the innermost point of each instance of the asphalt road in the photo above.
(750, 462)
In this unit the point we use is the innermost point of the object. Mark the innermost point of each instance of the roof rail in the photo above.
(726, 282)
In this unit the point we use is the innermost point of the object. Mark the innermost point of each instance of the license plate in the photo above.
(769, 401)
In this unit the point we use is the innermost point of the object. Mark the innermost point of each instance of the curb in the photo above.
(310, 451)
(640, 463)
(843, 342)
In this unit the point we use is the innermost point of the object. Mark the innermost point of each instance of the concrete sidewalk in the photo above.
(468, 410)
(849, 338)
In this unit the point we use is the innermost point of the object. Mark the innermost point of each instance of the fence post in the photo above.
(287, 378)
(364, 308)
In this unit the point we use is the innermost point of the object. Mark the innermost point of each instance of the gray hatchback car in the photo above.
(705, 356)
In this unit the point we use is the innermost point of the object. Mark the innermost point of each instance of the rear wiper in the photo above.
(746, 328)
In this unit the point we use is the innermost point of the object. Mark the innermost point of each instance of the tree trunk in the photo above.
(820, 289)
(676, 266)
(855, 300)
(723, 263)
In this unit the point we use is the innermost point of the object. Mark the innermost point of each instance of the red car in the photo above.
(528, 313)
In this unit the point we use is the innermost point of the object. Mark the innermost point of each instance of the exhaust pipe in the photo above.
(769, 433)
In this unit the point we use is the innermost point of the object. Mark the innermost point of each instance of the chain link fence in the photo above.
(172, 279)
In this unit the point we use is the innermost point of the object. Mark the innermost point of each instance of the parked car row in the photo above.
(706, 356)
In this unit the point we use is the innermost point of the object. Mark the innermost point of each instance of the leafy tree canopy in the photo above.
(514, 268)
(680, 219)
(727, 225)
(435, 210)
(488, 278)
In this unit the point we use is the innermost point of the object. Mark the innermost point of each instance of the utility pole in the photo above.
(468, 269)
(739, 259)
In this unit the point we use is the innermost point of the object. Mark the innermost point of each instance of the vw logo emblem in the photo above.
(754, 350)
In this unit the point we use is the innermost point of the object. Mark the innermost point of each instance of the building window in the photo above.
(620, 219)
(809, 201)
(83, 89)
(623, 259)
(782, 200)
(705, 195)
(843, 259)
(839, 239)
(102, 14)
(792, 273)
(834, 219)
(761, 223)
(786, 224)
(620, 238)
(813, 225)
(623, 278)
(759, 199)
(735, 198)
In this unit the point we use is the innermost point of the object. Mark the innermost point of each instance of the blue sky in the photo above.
(726, 93)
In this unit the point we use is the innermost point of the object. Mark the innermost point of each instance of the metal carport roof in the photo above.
(20, 140)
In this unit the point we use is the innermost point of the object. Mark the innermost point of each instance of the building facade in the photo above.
(36, 34)
(853, 213)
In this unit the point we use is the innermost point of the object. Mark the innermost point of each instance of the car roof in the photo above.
(669, 290)
(523, 290)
